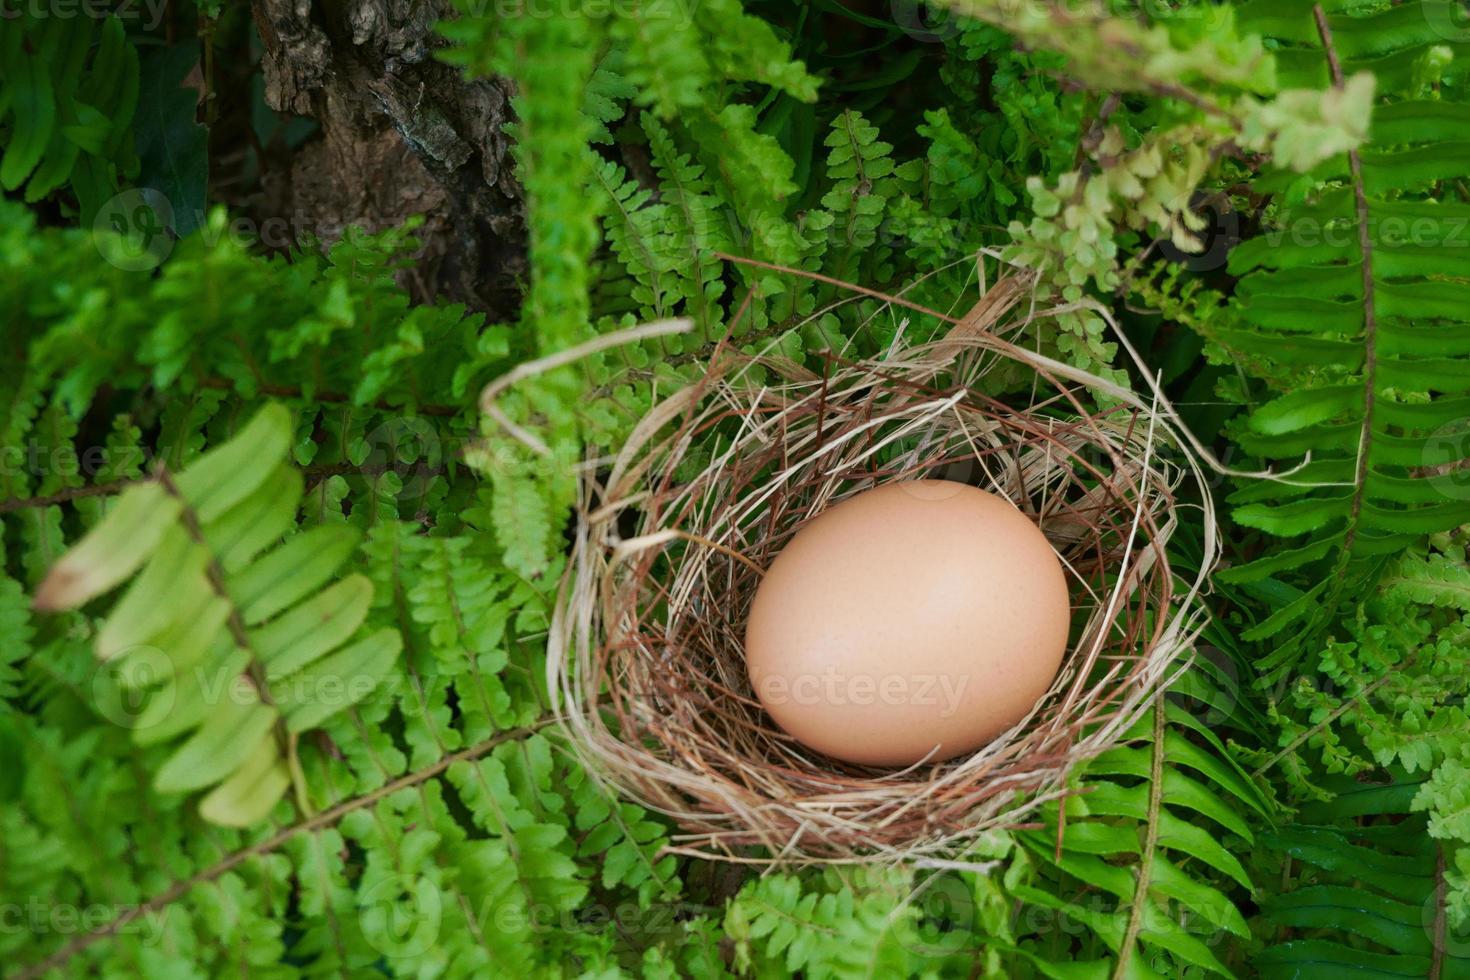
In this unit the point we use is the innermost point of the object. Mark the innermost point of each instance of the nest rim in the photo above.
(738, 787)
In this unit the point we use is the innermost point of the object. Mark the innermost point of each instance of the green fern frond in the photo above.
(697, 229)
(635, 230)
(1172, 808)
(666, 71)
(1351, 309)
(1435, 580)
(745, 48)
(827, 926)
(234, 652)
(625, 838)
(1363, 892)
(857, 165)
(68, 90)
(16, 633)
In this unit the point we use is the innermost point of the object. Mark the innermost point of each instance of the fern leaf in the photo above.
(16, 633)
(31, 100)
(633, 227)
(1374, 880)
(744, 47)
(694, 222)
(1354, 317)
(1435, 580)
(822, 929)
(626, 839)
(67, 106)
(857, 164)
(195, 536)
(664, 69)
(1140, 808)
(522, 524)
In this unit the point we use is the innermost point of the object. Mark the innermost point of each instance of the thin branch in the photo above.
(818, 277)
(1335, 714)
(64, 496)
(326, 818)
(541, 365)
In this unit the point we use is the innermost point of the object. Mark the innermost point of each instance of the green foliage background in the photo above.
(1294, 807)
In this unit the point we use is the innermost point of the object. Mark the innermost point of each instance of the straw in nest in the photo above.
(645, 657)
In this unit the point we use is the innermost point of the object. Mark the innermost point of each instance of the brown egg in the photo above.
(915, 621)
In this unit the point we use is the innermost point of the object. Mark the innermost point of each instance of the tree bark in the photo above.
(401, 134)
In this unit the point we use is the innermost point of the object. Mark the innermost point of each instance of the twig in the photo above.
(63, 496)
(561, 358)
(326, 818)
(853, 287)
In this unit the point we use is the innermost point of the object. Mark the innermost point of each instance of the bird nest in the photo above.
(646, 661)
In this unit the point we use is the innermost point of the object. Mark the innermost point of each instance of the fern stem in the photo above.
(63, 496)
(1150, 844)
(313, 474)
(326, 818)
(285, 740)
(829, 280)
(1335, 714)
(1370, 328)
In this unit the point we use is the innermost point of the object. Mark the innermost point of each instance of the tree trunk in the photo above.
(401, 134)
